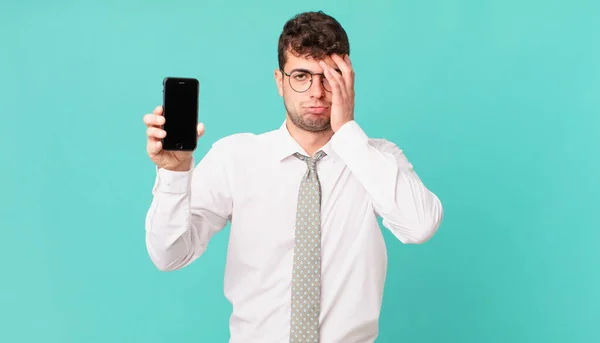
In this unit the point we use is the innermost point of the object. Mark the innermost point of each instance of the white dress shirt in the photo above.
(253, 182)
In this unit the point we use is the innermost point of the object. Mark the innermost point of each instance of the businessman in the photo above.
(306, 260)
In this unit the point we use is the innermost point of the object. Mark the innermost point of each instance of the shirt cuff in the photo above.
(349, 139)
(177, 182)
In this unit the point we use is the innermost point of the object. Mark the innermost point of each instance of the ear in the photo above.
(279, 81)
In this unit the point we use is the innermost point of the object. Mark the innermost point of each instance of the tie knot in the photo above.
(311, 161)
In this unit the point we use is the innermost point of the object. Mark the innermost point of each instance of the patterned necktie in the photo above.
(306, 273)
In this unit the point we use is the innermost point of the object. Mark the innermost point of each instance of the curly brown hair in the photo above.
(314, 34)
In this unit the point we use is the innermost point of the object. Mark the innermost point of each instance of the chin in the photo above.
(322, 124)
(312, 117)
(316, 116)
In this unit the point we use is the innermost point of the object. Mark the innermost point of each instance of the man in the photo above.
(306, 260)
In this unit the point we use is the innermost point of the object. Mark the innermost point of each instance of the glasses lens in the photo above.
(326, 84)
(300, 81)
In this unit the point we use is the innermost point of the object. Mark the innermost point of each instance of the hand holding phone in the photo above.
(173, 129)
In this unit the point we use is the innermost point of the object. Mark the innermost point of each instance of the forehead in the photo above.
(295, 61)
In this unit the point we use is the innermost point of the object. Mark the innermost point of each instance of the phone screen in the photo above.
(181, 113)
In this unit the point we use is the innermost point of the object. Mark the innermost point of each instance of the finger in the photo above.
(154, 132)
(335, 79)
(334, 73)
(338, 91)
(200, 129)
(347, 73)
(345, 67)
(347, 59)
(154, 120)
(158, 110)
(154, 148)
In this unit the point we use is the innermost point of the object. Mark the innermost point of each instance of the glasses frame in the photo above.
(311, 78)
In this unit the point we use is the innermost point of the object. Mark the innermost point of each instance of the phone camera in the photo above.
(179, 146)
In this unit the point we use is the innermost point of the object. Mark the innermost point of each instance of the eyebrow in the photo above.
(310, 71)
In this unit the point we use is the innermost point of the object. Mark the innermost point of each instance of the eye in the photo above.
(300, 76)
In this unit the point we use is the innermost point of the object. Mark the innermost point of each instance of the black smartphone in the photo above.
(180, 109)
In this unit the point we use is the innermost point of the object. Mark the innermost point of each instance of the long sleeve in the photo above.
(408, 209)
(187, 209)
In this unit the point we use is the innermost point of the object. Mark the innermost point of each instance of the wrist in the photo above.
(339, 126)
(184, 166)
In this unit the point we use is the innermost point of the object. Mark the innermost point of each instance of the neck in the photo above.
(311, 142)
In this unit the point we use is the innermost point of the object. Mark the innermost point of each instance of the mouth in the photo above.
(316, 109)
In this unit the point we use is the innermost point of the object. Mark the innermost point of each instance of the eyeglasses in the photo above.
(301, 80)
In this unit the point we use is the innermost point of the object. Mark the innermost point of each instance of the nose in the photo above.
(316, 88)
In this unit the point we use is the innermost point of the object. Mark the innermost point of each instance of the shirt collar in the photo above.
(286, 145)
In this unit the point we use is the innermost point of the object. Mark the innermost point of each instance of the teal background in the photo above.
(495, 103)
